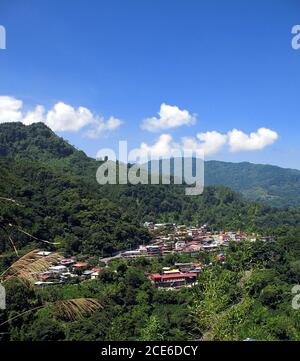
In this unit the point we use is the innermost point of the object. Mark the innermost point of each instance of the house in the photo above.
(185, 267)
(58, 269)
(87, 273)
(66, 276)
(177, 280)
(192, 251)
(80, 267)
(171, 271)
(67, 261)
(180, 244)
(96, 272)
(159, 226)
(154, 250)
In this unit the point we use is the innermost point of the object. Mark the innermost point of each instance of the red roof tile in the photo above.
(81, 264)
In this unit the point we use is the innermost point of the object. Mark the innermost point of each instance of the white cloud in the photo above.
(210, 143)
(34, 116)
(61, 117)
(100, 126)
(10, 109)
(64, 117)
(161, 148)
(170, 116)
(240, 141)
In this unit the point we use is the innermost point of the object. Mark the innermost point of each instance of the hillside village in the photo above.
(168, 239)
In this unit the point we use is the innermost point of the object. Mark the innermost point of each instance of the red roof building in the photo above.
(173, 280)
(80, 264)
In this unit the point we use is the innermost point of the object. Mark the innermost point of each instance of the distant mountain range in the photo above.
(61, 201)
(267, 184)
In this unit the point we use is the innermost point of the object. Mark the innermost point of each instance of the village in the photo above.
(167, 239)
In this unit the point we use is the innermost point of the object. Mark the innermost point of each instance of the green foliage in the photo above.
(153, 330)
(60, 201)
(62, 208)
(247, 299)
(266, 184)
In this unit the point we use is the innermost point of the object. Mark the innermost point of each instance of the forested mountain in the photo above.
(56, 199)
(58, 207)
(62, 202)
(36, 142)
(266, 184)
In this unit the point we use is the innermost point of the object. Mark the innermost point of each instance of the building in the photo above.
(177, 280)
(67, 261)
(80, 267)
(154, 250)
(58, 269)
(188, 267)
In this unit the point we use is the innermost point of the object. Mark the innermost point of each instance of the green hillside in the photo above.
(264, 183)
(58, 200)
(62, 202)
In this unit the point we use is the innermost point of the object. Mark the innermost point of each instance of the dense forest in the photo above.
(266, 184)
(263, 183)
(61, 201)
(247, 296)
(50, 199)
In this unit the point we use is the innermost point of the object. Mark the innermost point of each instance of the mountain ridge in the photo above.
(62, 202)
(267, 184)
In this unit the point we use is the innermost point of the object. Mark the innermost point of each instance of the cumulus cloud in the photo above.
(170, 116)
(64, 117)
(10, 109)
(163, 147)
(240, 141)
(207, 143)
(34, 116)
(210, 143)
(61, 117)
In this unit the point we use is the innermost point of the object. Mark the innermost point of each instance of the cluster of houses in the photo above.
(169, 238)
(65, 269)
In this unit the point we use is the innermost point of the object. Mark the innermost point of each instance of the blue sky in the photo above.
(229, 64)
